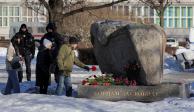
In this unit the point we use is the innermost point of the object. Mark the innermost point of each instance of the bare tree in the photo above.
(60, 9)
(79, 24)
(159, 6)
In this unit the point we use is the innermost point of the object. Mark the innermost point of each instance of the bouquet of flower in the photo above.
(107, 80)
(104, 80)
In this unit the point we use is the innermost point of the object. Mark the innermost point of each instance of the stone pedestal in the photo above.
(135, 93)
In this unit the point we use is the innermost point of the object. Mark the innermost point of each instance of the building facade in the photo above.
(15, 11)
(178, 17)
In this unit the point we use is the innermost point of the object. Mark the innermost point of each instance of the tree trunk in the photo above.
(161, 19)
(57, 19)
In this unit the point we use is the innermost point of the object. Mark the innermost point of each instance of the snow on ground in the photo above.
(27, 101)
(49, 103)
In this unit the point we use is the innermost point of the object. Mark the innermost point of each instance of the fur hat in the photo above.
(47, 43)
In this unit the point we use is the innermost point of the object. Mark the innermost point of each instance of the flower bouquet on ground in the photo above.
(104, 80)
(107, 80)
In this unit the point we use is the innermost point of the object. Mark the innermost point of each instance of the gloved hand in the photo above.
(61, 72)
(86, 68)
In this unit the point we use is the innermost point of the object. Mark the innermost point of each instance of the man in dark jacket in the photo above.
(57, 41)
(26, 50)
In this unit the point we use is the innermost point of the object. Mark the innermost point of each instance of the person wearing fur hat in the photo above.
(56, 40)
(66, 59)
(26, 50)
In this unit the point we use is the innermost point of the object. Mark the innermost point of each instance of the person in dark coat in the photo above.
(57, 41)
(26, 50)
(43, 65)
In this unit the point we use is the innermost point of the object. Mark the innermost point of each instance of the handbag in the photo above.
(15, 65)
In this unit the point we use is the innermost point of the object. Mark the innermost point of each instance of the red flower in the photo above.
(93, 68)
(133, 83)
(126, 81)
(106, 84)
(84, 82)
(94, 83)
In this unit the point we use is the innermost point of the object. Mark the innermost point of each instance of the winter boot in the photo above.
(20, 76)
(69, 92)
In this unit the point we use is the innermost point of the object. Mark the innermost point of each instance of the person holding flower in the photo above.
(66, 59)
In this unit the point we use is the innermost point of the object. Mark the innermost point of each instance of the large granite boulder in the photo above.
(118, 44)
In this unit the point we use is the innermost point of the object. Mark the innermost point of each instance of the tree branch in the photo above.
(87, 8)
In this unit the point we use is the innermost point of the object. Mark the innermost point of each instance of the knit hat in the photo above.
(51, 26)
(73, 40)
(47, 43)
(23, 26)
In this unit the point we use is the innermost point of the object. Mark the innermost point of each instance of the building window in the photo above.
(24, 11)
(165, 13)
(120, 9)
(177, 11)
(190, 12)
(11, 20)
(190, 22)
(29, 12)
(184, 24)
(17, 11)
(158, 21)
(13, 14)
(177, 22)
(126, 10)
(139, 11)
(5, 21)
(134, 11)
(5, 11)
(170, 22)
(165, 23)
(8, 15)
(146, 11)
(170, 12)
(11, 11)
(151, 12)
(177, 17)
(183, 11)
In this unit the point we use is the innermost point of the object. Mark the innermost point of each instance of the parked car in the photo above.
(172, 42)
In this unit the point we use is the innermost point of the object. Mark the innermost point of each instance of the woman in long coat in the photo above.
(42, 66)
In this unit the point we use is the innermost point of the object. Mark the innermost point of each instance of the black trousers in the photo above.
(27, 60)
(20, 76)
(44, 82)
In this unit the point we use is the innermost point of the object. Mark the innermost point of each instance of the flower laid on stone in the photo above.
(104, 80)
(107, 80)
(93, 68)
